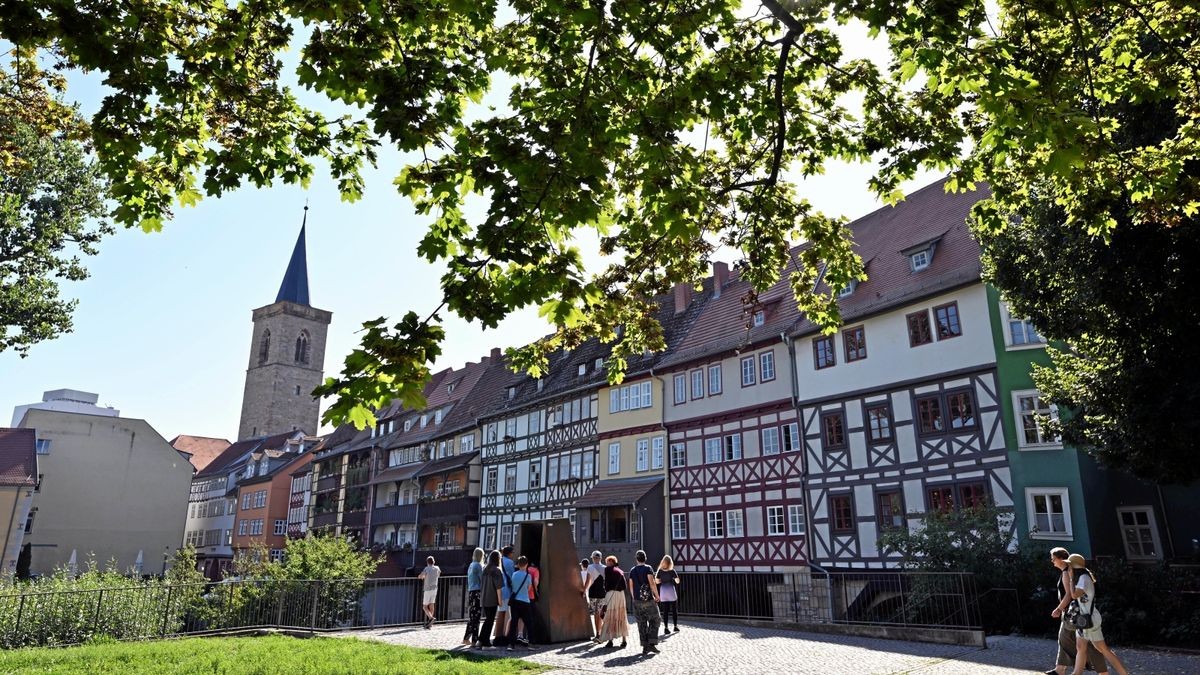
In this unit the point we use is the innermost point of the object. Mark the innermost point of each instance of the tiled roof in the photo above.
(202, 449)
(458, 404)
(18, 457)
(295, 280)
(618, 492)
(397, 473)
(881, 238)
(280, 461)
(447, 463)
(241, 448)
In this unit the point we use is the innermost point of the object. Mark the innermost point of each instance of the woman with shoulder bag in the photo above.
(616, 623)
(1086, 618)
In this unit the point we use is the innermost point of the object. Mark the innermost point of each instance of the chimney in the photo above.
(683, 296)
(720, 277)
(495, 353)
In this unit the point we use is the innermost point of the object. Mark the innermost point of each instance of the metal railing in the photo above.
(156, 610)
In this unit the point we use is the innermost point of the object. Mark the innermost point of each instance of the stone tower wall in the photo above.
(270, 403)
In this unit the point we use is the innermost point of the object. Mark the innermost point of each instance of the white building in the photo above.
(65, 400)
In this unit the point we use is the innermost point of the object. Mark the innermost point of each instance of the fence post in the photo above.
(99, 602)
(903, 602)
(20, 612)
(962, 590)
(279, 608)
(374, 602)
(167, 610)
(312, 625)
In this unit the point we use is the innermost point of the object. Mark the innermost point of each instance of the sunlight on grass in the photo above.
(272, 654)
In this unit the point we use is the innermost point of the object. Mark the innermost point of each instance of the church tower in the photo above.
(287, 356)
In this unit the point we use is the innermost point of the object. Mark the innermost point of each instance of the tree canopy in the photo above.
(666, 126)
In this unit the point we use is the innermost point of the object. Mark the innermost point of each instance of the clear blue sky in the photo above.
(162, 330)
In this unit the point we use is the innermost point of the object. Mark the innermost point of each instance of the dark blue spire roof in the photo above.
(295, 281)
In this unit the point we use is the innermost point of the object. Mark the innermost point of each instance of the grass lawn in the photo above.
(269, 654)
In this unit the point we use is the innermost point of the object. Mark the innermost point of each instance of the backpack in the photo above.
(643, 589)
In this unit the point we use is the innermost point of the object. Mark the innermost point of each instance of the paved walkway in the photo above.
(723, 649)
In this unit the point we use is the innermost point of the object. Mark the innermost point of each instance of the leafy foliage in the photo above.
(665, 127)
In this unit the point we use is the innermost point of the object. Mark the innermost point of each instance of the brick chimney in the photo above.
(495, 353)
(720, 277)
(683, 296)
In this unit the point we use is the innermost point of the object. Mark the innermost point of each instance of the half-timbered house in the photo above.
(900, 409)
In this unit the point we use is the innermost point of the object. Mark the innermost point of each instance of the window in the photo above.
(466, 444)
(770, 441)
(589, 464)
(918, 329)
(847, 290)
(42, 446)
(734, 524)
(256, 526)
(971, 495)
(1139, 532)
(1049, 512)
(553, 473)
(264, 347)
(623, 398)
(929, 415)
(1033, 417)
(598, 364)
(775, 524)
(795, 519)
(962, 410)
(630, 397)
(890, 511)
(1020, 332)
(614, 458)
(302, 351)
(581, 370)
(833, 430)
(733, 447)
(678, 455)
(697, 384)
(766, 366)
(823, 354)
(791, 437)
(759, 318)
(841, 513)
(879, 423)
(946, 317)
(506, 536)
(611, 525)
(680, 389)
(919, 260)
(643, 454)
(510, 478)
(679, 526)
(714, 379)
(246, 501)
(242, 523)
(855, 342)
(437, 417)
(276, 555)
(407, 425)
(491, 480)
(716, 524)
(424, 420)
(712, 450)
(535, 474)
(748, 373)
(229, 537)
(656, 452)
(967, 495)
(280, 528)
(260, 499)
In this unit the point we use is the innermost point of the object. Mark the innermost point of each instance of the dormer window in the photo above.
(437, 417)
(582, 370)
(407, 425)
(760, 317)
(599, 364)
(920, 260)
(540, 384)
(391, 426)
(512, 393)
(848, 289)
(450, 387)
(424, 420)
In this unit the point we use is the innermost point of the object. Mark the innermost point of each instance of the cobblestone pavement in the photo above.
(723, 649)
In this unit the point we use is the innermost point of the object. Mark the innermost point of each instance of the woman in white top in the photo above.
(1084, 591)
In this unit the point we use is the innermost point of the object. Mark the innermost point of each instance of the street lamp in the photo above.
(166, 555)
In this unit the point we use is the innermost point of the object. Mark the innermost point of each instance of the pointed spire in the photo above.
(295, 281)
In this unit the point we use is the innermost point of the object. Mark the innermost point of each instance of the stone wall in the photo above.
(270, 402)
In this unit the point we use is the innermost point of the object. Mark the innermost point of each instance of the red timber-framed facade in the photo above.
(735, 470)
(900, 410)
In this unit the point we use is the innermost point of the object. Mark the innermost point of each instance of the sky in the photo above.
(162, 330)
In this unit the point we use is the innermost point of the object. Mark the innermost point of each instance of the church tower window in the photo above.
(302, 351)
(264, 347)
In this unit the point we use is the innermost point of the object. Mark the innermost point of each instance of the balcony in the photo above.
(458, 508)
(452, 559)
(358, 475)
(329, 483)
(325, 519)
(398, 514)
(354, 519)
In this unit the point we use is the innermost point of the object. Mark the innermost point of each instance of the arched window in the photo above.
(302, 347)
(264, 347)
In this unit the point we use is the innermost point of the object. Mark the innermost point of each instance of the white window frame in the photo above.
(647, 394)
(535, 474)
(614, 458)
(776, 525)
(791, 431)
(714, 450)
(656, 452)
(715, 384)
(735, 523)
(698, 384)
(680, 388)
(635, 396)
(280, 527)
(1007, 319)
(1152, 523)
(678, 455)
(614, 400)
(1019, 427)
(920, 260)
(795, 519)
(466, 444)
(749, 375)
(716, 524)
(491, 483)
(1031, 493)
(731, 446)
(42, 446)
(759, 318)
(766, 361)
(772, 447)
(679, 525)
(643, 454)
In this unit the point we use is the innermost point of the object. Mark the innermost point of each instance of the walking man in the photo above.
(430, 576)
(594, 585)
(645, 603)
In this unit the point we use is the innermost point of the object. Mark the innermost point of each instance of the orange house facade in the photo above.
(262, 505)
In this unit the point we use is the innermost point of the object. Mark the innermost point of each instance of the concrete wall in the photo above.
(15, 503)
(270, 402)
(112, 487)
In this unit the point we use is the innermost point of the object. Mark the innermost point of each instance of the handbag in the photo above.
(1077, 617)
(643, 591)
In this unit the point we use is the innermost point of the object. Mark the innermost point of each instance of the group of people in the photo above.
(1078, 647)
(501, 593)
(655, 593)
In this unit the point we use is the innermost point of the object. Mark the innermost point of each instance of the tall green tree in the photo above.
(667, 126)
(51, 212)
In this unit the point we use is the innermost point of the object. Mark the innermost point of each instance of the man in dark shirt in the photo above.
(645, 603)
